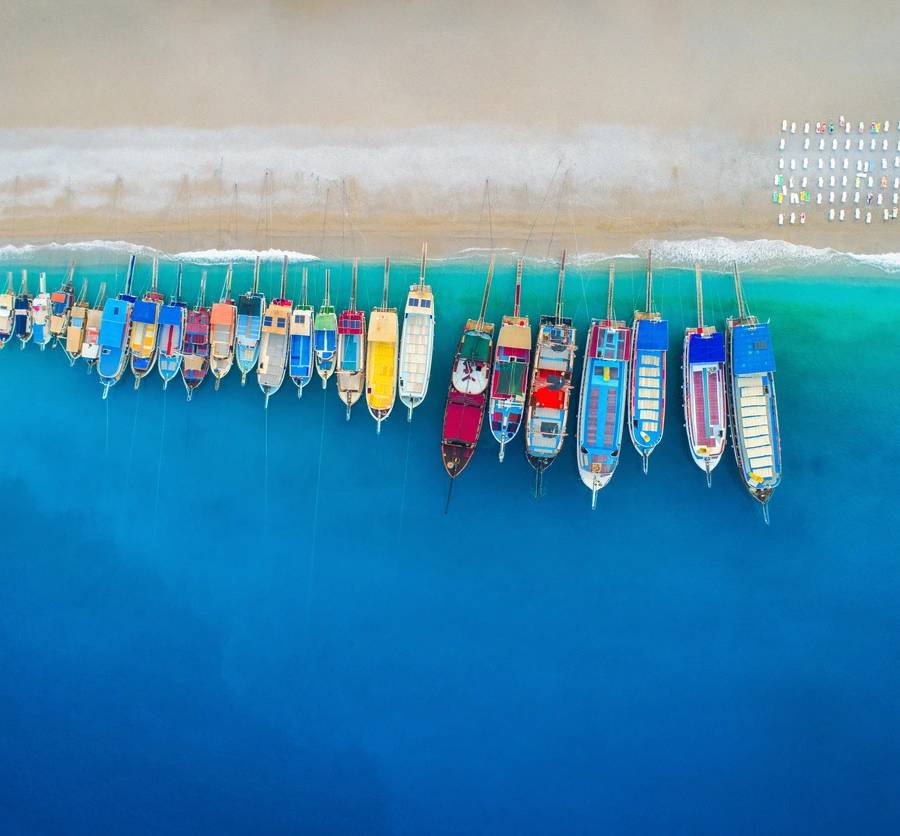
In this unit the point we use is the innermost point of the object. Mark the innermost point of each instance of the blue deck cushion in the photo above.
(144, 312)
(653, 336)
(751, 349)
(709, 349)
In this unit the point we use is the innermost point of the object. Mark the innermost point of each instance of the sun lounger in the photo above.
(831, 197)
(784, 124)
(781, 163)
(862, 127)
(847, 145)
(831, 214)
(803, 217)
(806, 128)
(887, 214)
(841, 215)
(793, 164)
(781, 220)
(793, 127)
(884, 145)
(793, 217)
(846, 163)
(856, 214)
(819, 198)
(781, 144)
(868, 217)
(862, 144)
(805, 162)
(843, 197)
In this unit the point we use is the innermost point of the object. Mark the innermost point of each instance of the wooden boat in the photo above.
(90, 347)
(22, 309)
(250, 309)
(40, 314)
(222, 332)
(416, 343)
(601, 403)
(752, 407)
(61, 302)
(145, 328)
(76, 323)
(381, 356)
(467, 394)
(325, 335)
(172, 321)
(273, 345)
(703, 390)
(509, 381)
(647, 381)
(547, 410)
(195, 349)
(351, 349)
(115, 329)
(7, 312)
(301, 360)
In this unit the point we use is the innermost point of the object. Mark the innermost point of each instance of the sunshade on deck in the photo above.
(509, 379)
(462, 422)
(170, 315)
(653, 336)
(751, 349)
(476, 347)
(350, 323)
(709, 349)
(222, 314)
(112, 327)
(144, 312)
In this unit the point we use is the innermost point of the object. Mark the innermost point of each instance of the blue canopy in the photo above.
(652, 336)
(709, 349)
(144, 312)
(171, 314)
(112, 326)
(751, 349)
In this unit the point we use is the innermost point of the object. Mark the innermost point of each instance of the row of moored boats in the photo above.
(728, 379)
(277, 340)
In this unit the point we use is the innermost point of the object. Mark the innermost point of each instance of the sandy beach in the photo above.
(365, 128)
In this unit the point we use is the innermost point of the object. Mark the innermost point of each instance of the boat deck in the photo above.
(415, 353)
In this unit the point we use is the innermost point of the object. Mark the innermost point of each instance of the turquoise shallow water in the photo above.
(217, 619)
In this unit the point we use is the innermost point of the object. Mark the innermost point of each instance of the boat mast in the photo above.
(42, 282)
(101, 295)
(739, 291)
(129, 279)
(649, 306)
(518, 287)
(9, 282)
(24, 290)
(326, 303)
(178, 283)
(154, 276)
(70, 274)
(226, 291)
(255, 288)
(305, 285)
(387, 279)
(284, 271)
(487, 292)
(353, 285)
(611, 292)
(559, 287)
(422, 267)
(202, 296)
(83, 293)
(699, 297)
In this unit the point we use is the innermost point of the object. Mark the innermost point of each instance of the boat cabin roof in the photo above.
(706, 349)
(652, 335)
(751, 349)
(476, 346)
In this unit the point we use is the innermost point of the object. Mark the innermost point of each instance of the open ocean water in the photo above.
(220, 619)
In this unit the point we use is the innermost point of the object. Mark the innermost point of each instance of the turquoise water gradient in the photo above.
(220, 619)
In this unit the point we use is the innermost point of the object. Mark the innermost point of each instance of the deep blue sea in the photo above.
(216, 618)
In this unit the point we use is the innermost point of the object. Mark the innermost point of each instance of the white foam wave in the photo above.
(760, 255)
(101, 248)
(221, 256)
